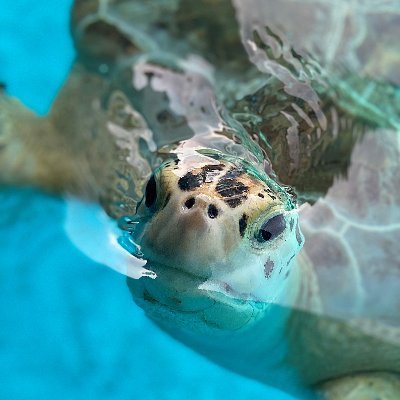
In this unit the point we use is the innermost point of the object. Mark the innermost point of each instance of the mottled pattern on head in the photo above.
(228, 182)
(215, 232)
(228, 187)
(216, 219)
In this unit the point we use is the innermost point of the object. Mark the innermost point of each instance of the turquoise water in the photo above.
(69, 329)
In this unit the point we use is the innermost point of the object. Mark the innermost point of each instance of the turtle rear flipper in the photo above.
(367, 386)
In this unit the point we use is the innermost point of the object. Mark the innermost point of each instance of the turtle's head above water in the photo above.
(213, 230)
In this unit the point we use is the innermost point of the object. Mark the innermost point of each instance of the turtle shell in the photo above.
(107, 31)
(353, 47)
(99, 34)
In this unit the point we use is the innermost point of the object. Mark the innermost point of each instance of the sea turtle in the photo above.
(205, 194)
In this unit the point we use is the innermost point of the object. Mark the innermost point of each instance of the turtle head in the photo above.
(214, 232)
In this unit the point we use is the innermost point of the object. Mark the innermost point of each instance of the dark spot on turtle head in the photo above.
(243, 224)
(270, 193)
(299, 236)
(177, 161)
(235, 201)
(212, 211)
(287, 274)
(203, 110)
(280, 271)
(233, 191)
(260, 195)
(290, 259)
(211, 171)
(234, 173)
(212, 167)
(268, 268)
(190, 181)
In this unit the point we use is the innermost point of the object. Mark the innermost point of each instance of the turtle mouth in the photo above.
(179, 298)
(194, 309)
(174, 289)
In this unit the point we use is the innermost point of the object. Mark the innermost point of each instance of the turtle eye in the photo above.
(271, 228)
(151, 192)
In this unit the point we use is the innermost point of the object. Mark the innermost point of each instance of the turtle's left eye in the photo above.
(151, 192)
(271, 228)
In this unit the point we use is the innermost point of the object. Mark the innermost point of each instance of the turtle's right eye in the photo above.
(271, 228)
(151, 192)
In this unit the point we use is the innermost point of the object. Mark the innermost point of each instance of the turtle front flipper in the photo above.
(31, 153)
(89, 145)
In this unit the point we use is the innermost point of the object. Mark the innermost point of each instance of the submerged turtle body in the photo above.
(202, 189)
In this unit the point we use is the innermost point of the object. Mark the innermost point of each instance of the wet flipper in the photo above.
(20, 161)
(88, 145)
(32, 152)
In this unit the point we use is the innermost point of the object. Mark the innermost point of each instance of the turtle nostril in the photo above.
(189, 203)
(212, 211)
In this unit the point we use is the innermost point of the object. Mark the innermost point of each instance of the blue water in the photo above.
(68, 327)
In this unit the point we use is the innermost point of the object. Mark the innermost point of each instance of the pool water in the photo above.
(69, 328)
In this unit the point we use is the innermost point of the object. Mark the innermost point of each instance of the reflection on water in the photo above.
(248, 160)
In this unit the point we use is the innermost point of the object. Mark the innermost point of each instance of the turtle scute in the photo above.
(98, 36)
(105, 32)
